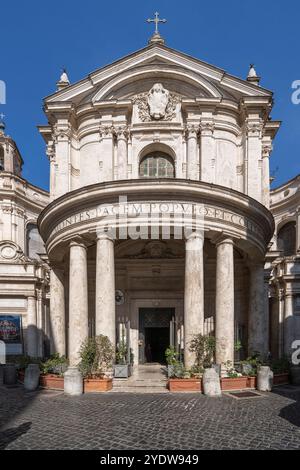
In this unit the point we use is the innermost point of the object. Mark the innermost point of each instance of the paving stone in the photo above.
(45, 420)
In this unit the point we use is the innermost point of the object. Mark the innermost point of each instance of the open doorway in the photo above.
(154, 334)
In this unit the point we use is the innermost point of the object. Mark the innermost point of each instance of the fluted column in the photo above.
(105, 288)
(258, 321)
(121, 133)
(78, 300)
(57, 312)
(192, 153)
(32, 330)
(193, 294)
(225, 302)
(289, 325)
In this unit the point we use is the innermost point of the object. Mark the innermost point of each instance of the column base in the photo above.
(73, 382)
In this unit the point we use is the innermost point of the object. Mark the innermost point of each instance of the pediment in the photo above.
(136, 72)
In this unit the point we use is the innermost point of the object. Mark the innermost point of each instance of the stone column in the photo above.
(266, 150)
(105, 322)
(57, 312)
(51, 156)
(193, 294)
(258, 321)
(253, 156)
(207, 145)
(32, 331)
(62, 136)
(78, 300)
(121, 133)
(298, 231)
(288, 326)
(192, 153)
(225, 302)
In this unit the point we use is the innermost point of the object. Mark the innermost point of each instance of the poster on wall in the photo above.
(11, 333)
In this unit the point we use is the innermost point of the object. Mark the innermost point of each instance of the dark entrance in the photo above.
(154, 333)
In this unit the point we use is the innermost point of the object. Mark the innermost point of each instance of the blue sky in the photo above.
(38, 38)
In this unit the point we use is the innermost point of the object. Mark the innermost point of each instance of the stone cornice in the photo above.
(238, 215)
(161, 52)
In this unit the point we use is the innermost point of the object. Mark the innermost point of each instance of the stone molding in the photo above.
(223, 210)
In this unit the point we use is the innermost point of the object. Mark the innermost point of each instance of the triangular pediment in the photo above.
(137, 71)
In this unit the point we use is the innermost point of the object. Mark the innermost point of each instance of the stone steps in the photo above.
(139, 386)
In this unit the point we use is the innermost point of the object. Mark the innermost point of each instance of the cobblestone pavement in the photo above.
(49, 420)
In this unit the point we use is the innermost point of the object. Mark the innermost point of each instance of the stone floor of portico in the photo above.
(50, 420)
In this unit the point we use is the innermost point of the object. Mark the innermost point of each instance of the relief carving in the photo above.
(157, 104)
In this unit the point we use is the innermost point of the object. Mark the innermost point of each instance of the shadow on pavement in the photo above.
(11, 434)
(291, 412)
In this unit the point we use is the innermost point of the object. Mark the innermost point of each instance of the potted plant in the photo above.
(52, 371)
(233, 380)
(96, 356)
(172, 358)
(121, 368)
(281, 370)
(191, 380)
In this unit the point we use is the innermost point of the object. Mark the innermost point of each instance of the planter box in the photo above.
(97, 385)
(281, 379)
(185, 385)
(52, 381)
(236, 383)
(251, 382)
(122, 371)
(295, 375)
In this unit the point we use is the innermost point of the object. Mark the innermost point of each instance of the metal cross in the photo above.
(156, 20)
(2, 116)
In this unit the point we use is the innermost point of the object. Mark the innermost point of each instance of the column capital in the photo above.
(207, 126)
(224, 240)
(194, 236)
(78, 241)
(104, 236)
(191, 130)
(121, 132)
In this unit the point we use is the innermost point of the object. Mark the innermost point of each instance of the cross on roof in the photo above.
(156, 20)
(2, 116)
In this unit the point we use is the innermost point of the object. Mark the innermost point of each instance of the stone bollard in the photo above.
(73, 382)
(295, 375)
(32, 377)
(1, 374)
(211, 383)
(264, 379)
(10, 374)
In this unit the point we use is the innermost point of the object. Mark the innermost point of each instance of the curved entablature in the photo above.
(217, 210)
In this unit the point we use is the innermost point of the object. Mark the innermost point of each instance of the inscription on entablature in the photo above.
(122, 212)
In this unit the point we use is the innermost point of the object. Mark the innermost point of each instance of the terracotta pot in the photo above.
(185, 385)
(21, 375)
(281, 379)
(97, 385)
(52, 381)
(251, 382)
(236, 383)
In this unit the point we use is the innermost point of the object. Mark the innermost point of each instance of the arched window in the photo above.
(157, 165)
(34, 242)
(286, 239)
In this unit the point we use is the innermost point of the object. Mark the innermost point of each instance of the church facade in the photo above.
(158, 221)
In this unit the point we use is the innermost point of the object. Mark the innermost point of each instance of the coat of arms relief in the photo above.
(157, 104)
